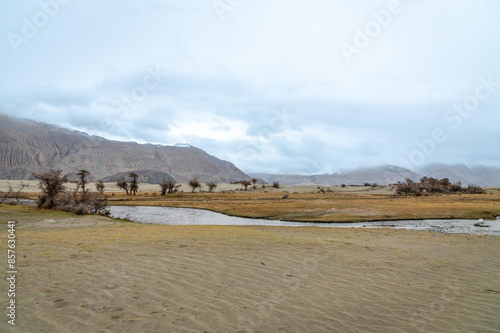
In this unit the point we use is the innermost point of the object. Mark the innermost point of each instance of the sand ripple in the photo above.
(133, 278)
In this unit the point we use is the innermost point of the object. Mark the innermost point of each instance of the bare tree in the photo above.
(51, 183)
(134, 184)
(211, 186)
(276, 185)
(245, 183)
(169, 186)
(164, 185)
(194, 184)
(254, 182)
(82, 175)
(99, 186)
(123, 184)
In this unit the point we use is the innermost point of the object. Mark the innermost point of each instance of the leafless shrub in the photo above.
(12, 194)
(169, 186)
(123, 184)
(134, 183)
(97, 203)
(276, 185)
(473, 189)
(81, 209)
(6, 195)
(99, 186)
(432, 185)
(80, 202)
(82, 182)
(212, 186)
(194, 184)
(51, 183)
(245, 184)
(66, 201)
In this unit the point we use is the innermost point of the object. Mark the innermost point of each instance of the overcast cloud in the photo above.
(273, 86)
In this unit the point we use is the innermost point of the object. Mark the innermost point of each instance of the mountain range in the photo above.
(28, 146)
(390, 174)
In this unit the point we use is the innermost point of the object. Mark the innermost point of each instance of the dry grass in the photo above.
(341, 205)
(329, 207)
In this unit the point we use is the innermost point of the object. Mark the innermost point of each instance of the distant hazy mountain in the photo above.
(390, 174)
(287, 179)
(382, 175)
(27, 146)
(477, 175)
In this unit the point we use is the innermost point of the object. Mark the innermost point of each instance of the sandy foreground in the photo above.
(93, 274)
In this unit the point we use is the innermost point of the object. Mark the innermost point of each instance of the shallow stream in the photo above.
(188, 216)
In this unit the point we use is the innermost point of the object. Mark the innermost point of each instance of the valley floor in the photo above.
(95, 274)
(309, 203)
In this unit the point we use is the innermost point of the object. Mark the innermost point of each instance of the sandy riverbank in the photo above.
(92, 274)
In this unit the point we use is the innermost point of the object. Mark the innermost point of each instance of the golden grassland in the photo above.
(336, 206)
(84, 233)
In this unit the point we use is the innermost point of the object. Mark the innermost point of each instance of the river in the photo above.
(188, 216)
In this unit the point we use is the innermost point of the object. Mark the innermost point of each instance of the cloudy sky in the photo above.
(289, 86)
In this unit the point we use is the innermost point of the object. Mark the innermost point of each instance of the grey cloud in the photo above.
(239, 74)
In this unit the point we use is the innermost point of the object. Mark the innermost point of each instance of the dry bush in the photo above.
(81, 209)
(169, 186)
(51, 183)
(211, 186)
(6, 197)
(473, 189)
(245, 183)
(66, 201)
(433, 185)
(123, 184)
(134, 183)
(100, 186)
(80, 202)
(194, 184)
(97, 203)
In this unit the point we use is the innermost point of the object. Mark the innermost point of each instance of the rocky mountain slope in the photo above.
(27, 146)
(145, 176)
